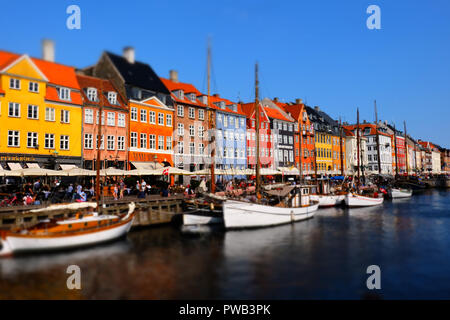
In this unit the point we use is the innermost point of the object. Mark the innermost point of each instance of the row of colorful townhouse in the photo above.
(50, 117)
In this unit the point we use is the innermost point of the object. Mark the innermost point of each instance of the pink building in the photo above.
(114, 128)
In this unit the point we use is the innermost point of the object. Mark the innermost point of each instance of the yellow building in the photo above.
(324, 152)
(40, 113)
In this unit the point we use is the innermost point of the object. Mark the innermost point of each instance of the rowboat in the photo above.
(395, 193)
(356, 200)
(328, 200)
(81, 230)
(202, 217)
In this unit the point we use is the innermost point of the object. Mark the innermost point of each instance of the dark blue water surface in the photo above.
(322, 258)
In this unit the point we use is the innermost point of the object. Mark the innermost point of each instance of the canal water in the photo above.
(323, 258)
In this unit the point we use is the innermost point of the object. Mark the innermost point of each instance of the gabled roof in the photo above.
(137, 74)
(187, 88)
(274, 110)
(249, 110)
(215, 99)
(363, 126)
(107, 86)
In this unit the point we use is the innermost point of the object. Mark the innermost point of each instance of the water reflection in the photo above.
(325, 257)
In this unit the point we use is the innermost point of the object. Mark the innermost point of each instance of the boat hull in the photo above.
(399, 193)
(328, 200)
(196, 219)
(238, 214)
(20, 243)
(352, 200)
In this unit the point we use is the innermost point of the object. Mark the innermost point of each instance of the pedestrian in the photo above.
(116, 191)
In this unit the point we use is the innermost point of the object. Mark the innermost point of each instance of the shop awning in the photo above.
(67, 166)
(32, 165)
(146, 165)
(14, 166)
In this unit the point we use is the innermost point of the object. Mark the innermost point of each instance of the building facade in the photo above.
(351, 152)
(40, 113)
(114, 126)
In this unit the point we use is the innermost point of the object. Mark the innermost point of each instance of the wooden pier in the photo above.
(153, 210)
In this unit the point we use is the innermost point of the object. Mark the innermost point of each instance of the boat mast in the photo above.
(406, 149)
(395, 148)
(300, 133)
(211, 123)
(378, 138)
(340, 147)
(357, 139)
(257, 114)
(99, 142)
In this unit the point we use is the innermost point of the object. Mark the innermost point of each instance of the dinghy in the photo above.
(396, 193)
(356, 200)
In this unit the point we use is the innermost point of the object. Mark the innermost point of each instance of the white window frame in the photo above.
(152, 141)
(110, 142)
(34, 136)
(191, 113)
(133, 114)
(63, 93)
(50, 114)
(121, 143)
(160, 142)
(63, 140)
(121, 120)
(180, 110)
(160, 119)
(33, 87)
(143, 115)
(180, 129)
(50, 137)
(15, 134)
(16, 110)
(152, 117)
(14, 83)
(111, 119)
(89, 116)
(91, 94)
(168, 120)
(88, 141)
(142, 139)
(168, 143)
(65, 116)
(112, 97)
(201, 114)
(133, 140)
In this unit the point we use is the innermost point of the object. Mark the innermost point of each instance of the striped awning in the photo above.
(14, 166)
(32, 165)
(67, 166)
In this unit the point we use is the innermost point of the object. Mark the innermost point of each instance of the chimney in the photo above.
(298, 101)
(317, 108)
(128, 53)
(173, 76)
(275, 99)
(216, 95)
(48, 50)
(364, 121)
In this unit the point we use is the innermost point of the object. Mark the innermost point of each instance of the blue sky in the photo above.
(320, 51)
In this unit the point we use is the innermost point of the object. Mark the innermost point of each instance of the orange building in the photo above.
(151, 132)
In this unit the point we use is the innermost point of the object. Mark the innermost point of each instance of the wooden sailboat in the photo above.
(85, 228)
(294, 203)
(354, 199)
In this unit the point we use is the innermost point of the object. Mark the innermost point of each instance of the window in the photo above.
(120, 143)
(134, 113)
(191, 131)
(191, 148)
(133, 139)
(92, 94)
(103, 117)
(64, 142)
(237, 122)
(242, 122)
(180, 111)
(88, 140)
(33, 87)
(168, 120)
(49, 114)
(32, 140)
(64, 93)
(112, 97)
(152, 139)
(290, 140)
(102, 142)
(143, 141)
(152, 118)
(13, 138)
(160, 142)
(49, 141)
(285, 139)
(14, 109)
(181, 129)
(88, 116)
(121, 120)
(14, 83)
(225, 121)
(110, 141)
(65, 116)
(143, 117)
(201, 148)
(201, 114)
(191, 113)
(161, 119)
(168, 143)
(181, 147)
(201, 132)
(111, 119)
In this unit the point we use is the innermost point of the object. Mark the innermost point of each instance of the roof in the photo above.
(293, 109)
(249, 110)
(215, 99)
(274, 110)
(138, 74)
(187, 88)
(363, 126)
(57, 75)
(107, 86)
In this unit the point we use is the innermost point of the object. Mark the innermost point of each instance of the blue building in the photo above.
(231, 135)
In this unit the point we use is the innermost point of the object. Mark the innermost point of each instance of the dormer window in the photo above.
(112, 97)
(222, 104)
(180, 94)
(192, 97)
(63, 93)
(204, 99)
(92, 94)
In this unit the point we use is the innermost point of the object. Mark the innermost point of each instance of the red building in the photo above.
(114, 141)
(399, 148)
(265, 141)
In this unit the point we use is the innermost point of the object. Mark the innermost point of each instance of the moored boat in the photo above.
(81, 230)
(329, 200)
(356, 200)
(396, 193)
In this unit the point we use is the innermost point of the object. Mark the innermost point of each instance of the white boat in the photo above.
(201, 219)
(69, 233)
(356, 200)
(400, 193)
(328, 200)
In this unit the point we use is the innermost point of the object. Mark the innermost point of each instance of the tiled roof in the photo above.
(107, 86)
(363, 126)
(276, 114)
(138, 74)
(293, 109)
(215, 99)
(187, 88)
(57, 75)
(249, 110)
